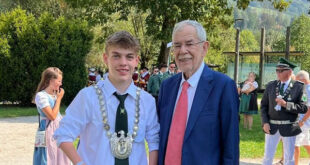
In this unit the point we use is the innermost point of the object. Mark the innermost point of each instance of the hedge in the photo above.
(28, 45)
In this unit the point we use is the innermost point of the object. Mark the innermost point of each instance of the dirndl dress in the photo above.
(248, 103)
(51, 154)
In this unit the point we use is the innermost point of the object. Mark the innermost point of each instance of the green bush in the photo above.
(29, 45)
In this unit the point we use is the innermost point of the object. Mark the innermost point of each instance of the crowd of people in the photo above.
(188, 116)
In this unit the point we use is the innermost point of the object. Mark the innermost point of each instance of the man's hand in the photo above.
(281, 102)
(266, 128)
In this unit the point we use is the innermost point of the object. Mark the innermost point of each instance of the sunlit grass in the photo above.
(15, 111)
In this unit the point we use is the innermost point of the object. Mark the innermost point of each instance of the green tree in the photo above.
(301, 40)
(136, 26)
(162, 15)
(220, 40)
(277, 4)
(31, 45)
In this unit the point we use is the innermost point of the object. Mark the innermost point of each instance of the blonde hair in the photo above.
(303, 74)
(47, 75)
(253, 73)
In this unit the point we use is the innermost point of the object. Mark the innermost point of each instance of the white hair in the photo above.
(303, 74)
(201, 32)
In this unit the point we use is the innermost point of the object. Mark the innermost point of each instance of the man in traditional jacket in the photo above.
(280, 106)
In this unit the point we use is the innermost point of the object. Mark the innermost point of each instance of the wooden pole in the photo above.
(288, 40)
(237, 56)
(262, 58)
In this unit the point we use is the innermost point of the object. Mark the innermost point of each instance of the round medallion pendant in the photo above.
(121, 146)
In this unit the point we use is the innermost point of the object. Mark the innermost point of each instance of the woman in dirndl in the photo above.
(248, 103)
(47, 99)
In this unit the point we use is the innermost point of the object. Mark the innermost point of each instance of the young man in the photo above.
(198, 108)
(114, 117)
(281, 103)
(171, 70)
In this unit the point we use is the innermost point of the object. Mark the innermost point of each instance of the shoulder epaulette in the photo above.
(297, 81)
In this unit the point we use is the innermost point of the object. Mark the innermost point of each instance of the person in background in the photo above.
(144, 78)
(91, 76)
(135, 77)
(161, 75)
(280, 106)
(48, 98)
(153, 84)
(114, 118)
(98, 76)
(171, 71)
(280, 162)
(303, 139)
(248, 103)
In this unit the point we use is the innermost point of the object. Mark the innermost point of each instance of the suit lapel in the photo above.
(202, 93)
(172, 89)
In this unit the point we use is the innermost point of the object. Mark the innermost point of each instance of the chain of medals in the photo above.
(287, 91)
(120, 146)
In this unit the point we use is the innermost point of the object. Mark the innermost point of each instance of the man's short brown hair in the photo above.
(124, 40)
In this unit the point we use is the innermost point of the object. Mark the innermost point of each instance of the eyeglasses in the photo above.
(188, 45)
(172, 66)
(281, 70)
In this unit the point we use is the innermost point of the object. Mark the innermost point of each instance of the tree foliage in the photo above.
(31, 45)
(136, 26)
(277, 4)
(301, 39)
(162, 15)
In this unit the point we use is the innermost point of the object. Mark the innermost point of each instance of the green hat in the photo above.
(284, 63)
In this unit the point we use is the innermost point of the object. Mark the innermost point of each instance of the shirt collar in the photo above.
(194, 79)
(286, 82)
(109, 88)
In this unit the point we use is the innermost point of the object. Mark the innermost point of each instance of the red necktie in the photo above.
(177, 129)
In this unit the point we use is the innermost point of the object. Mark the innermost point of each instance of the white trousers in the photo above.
(271, 143)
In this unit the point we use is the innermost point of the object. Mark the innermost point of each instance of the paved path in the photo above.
(17, 138)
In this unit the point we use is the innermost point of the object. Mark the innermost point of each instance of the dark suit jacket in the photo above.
(294, 106)
(212, 132)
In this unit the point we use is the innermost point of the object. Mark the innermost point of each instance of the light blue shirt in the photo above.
(286, 84)
(83, 118)
(193, 82)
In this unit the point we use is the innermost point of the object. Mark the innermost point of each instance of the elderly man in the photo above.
(280, 106)
(198, 107)
(303, 139)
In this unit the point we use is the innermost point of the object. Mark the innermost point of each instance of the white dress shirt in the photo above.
(83, 118)
(193, 82)
(286, 84)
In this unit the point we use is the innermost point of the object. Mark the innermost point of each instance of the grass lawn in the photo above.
(14, 111)
(252, 141)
